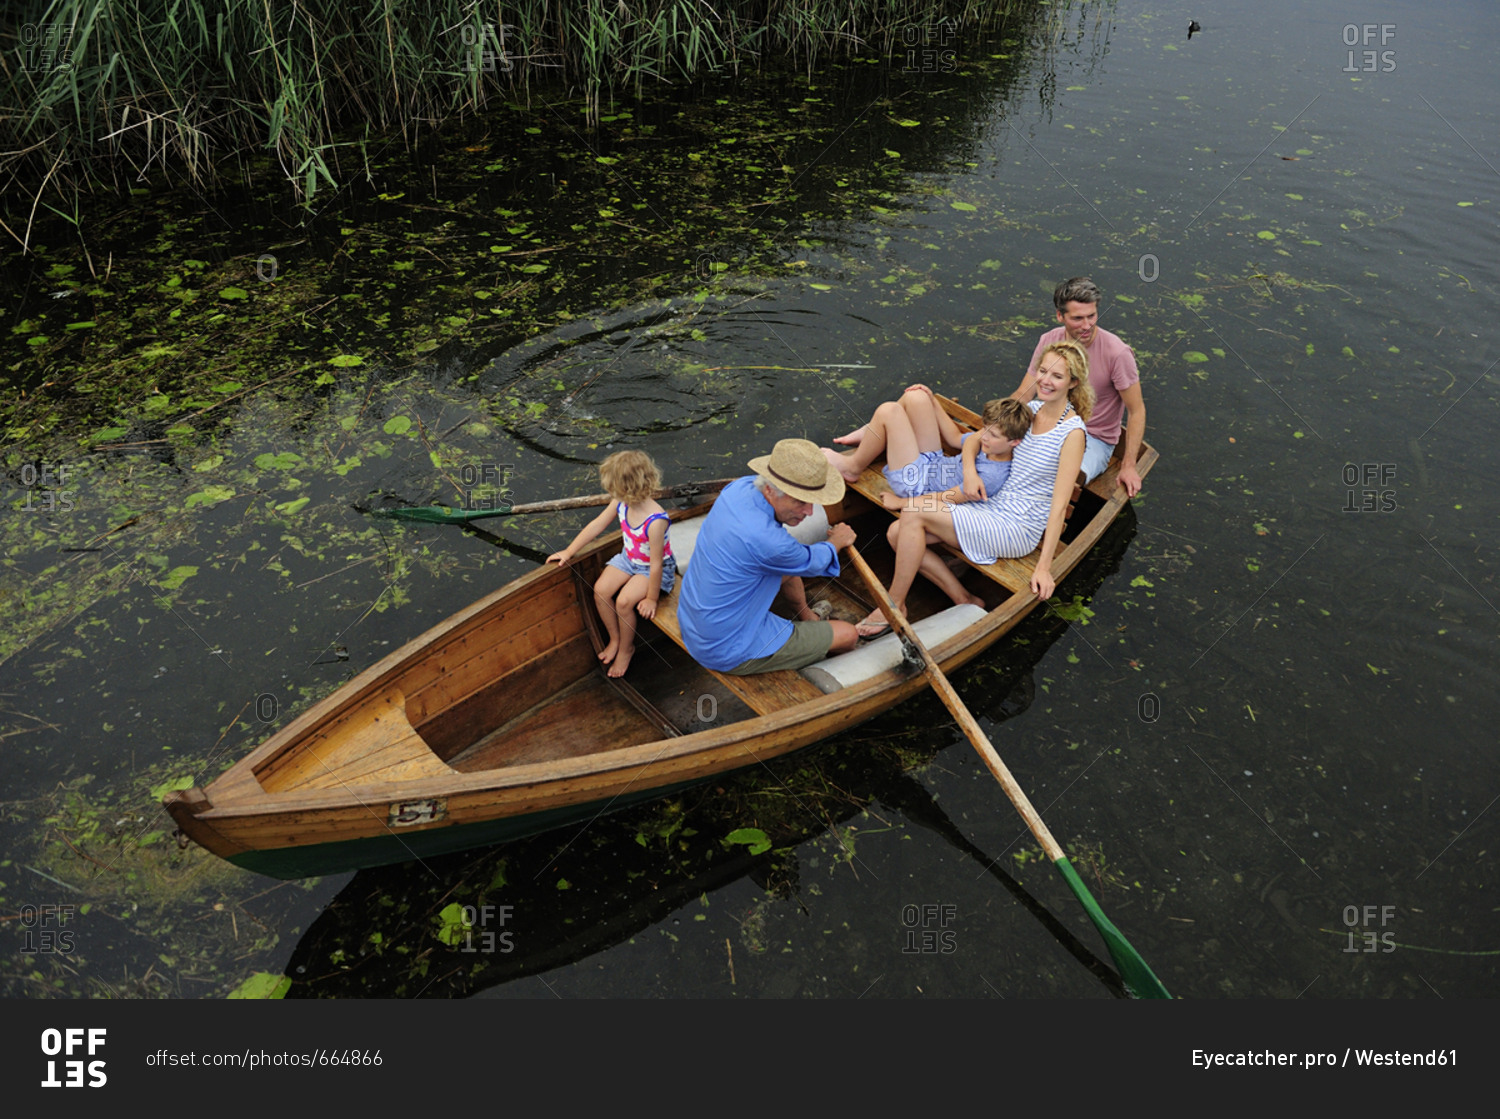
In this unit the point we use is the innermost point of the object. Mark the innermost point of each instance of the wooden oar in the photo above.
(1134, 970)
(443, 514)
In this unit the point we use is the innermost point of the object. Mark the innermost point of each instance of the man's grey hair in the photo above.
(1080, 289)
(768, 487)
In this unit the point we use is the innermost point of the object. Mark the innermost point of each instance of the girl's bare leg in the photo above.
(625, 604)
(605, 588)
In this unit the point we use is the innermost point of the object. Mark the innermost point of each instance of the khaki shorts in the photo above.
(809, 642)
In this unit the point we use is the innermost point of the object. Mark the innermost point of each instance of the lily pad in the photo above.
(177, 576)
(262, 985)
(176, 785)
(452, 924)
(753, 838)
(209, 495)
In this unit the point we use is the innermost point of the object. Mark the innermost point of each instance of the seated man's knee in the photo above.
(845, 637)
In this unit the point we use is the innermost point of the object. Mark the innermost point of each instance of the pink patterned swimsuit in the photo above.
(635, 559)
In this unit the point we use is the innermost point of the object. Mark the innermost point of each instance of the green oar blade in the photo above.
(438, 514)
(1135, 971)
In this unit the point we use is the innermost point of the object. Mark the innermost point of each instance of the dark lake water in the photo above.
(1269, 746)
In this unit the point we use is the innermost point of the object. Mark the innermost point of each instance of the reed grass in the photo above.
(187, 86)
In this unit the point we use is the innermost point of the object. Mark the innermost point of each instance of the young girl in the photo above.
(645, 569)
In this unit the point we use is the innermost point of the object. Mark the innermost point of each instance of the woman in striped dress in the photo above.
(1029, 509)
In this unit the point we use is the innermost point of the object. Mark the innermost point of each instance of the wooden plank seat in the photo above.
(764, 693)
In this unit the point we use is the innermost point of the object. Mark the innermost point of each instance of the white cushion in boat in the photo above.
(684, 534)
(684, 538)
(844, 670)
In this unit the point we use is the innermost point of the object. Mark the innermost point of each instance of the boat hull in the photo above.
(499, 723)
(341, 855)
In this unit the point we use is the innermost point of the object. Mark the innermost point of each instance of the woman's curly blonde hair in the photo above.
(1080, 392)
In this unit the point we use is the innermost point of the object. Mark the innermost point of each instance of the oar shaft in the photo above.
(594, 500)
(1134, 970)
(960, 713)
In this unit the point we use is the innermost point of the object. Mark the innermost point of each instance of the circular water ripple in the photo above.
(637, 371)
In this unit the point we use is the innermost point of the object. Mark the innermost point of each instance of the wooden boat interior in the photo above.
(520, 682)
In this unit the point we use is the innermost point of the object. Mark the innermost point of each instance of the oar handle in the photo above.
(955, 705)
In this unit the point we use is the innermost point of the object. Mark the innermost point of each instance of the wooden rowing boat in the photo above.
(499, 722)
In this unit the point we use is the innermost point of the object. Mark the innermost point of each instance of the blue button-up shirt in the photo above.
(737, 566)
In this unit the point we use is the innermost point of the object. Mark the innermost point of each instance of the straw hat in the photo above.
(797, 467)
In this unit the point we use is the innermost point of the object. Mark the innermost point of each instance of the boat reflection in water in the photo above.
(456, 925)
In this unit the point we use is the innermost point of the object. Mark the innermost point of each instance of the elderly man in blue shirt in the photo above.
(744, 556)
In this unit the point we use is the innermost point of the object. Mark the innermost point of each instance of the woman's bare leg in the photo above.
(912, 537)
(922, 412)
(935, 568)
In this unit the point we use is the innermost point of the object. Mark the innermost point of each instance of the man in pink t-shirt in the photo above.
(1112, 372)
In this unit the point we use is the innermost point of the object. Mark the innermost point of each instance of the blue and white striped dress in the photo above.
(1011, 523)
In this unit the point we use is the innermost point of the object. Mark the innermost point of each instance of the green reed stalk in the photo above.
(189, 84)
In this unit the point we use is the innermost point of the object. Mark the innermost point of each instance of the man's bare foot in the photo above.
(853, 439)
(607, 653)
(622, 662)
(874, 624)
(971, 600)
(841, 464)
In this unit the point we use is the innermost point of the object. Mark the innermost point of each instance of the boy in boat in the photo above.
(645, 569)
(913, 432)
(1112, 372)
(744, 556)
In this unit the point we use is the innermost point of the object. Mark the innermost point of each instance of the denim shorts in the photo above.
(1096, 456)
(620, 561)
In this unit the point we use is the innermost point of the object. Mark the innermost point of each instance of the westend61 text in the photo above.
(1445, 1058)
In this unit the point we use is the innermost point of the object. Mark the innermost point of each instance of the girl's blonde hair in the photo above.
(1080, 392)
(630, 476)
